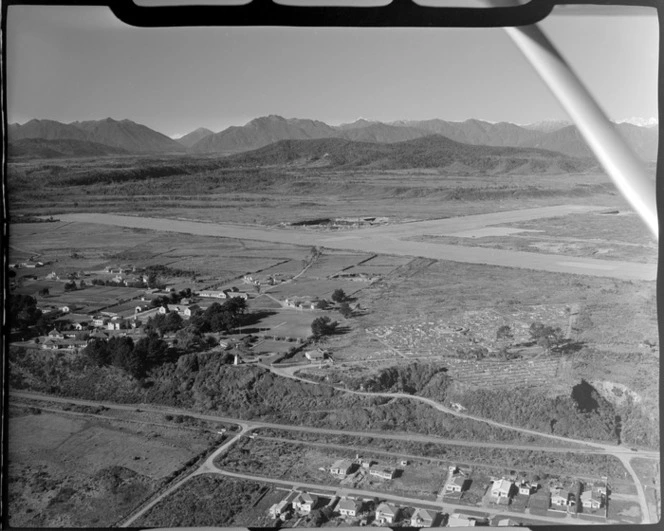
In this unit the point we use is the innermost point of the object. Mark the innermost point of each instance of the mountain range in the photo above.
(433, 151)
(120, 134)
(555, 136)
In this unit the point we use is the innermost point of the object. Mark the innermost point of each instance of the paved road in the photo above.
(389, 240)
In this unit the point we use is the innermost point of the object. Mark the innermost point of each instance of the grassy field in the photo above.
(78, 470)
(210, 501)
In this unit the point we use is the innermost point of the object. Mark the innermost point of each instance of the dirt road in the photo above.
(624, 454)
(390, 240)
(345, 491)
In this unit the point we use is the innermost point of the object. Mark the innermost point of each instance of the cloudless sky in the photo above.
(80, 63)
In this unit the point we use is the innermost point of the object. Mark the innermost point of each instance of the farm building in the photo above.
(214, 294)
(423, 518)
(316, 354)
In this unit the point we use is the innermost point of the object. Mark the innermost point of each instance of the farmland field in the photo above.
(77, 470)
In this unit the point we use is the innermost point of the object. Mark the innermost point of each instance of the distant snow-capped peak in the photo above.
(640, 121)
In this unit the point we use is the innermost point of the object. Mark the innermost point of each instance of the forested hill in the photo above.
(434, 151)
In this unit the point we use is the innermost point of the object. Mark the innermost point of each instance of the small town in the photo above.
(390, 272)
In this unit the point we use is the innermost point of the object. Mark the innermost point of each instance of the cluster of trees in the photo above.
(547, 337)
(220, 317)
(154, 270)
(23, 311)
(100, 282)
(134, 358)
(583, 414)
(173, 298)
(323, 326)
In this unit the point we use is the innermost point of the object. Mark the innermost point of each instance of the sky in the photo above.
(80, 63)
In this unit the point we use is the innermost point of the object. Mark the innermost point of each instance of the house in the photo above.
(191, 310)
(64, 309)
(141, 308)
(560, 497)
(52, 276)
(215, 294)
(280, 508)
(343, 467)
(315, 355)
(456, 483)
(592, 499)
(508, 522)
(386, 513)
(348, 507)
(502, 488)
(460, 520)
(423, 518)
(80, 325)
(236, 294)
(305, 502)
(385, 473)
(163, 310)
(114, 325)
(55, 334)
(99, 321)
(50, 344)
(526, 488)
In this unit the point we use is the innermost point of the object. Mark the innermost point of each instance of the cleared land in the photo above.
(386, 244)
(77, 470)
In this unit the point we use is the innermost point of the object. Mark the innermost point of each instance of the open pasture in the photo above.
(289, 322)
(92, 297)
(81, 471)
(311, 288)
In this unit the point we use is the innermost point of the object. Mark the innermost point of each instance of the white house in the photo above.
(305, 502)
(386, 513)
(279, 508)
(215, 294)
(423, 518)
(384, 473)
(526, 488)
(502, 488)
(341, 467)
(560, 497)
(316, 354)
(591, 499)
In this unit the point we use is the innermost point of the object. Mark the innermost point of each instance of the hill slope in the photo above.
(125, 134)
(128, 135)
(433, 151)
(190, 139)
(262, 132)
(39, 148)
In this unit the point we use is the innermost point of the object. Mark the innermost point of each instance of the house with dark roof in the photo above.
(424, 518)
(349, 507)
